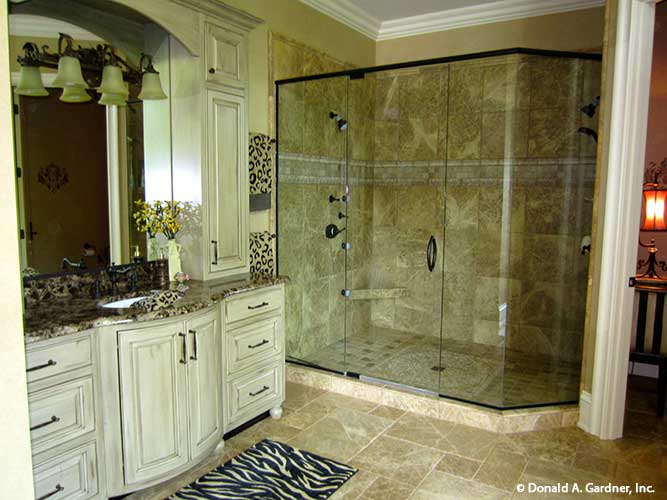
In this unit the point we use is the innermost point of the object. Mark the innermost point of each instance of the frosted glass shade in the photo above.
(69, 73)
(74, 95)
(30, 82)
(151, 87)
(112, 81)
(113, 100)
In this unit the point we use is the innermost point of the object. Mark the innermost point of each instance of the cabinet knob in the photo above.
(211, 70)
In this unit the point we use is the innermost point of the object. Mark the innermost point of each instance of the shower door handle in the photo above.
(431, 253)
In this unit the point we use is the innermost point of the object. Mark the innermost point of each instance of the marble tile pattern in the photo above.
(405, 455)
(75, 313)
(491, 146)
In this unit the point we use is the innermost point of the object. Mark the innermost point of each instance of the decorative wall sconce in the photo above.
(82, 68)
(654, 219)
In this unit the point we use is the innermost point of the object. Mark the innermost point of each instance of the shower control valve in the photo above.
(343, 198)
(347, 245)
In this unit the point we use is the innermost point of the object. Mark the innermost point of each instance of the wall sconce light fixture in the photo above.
(83, 68)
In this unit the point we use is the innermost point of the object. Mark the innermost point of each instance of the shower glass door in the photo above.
(396, 174)
(311, 188)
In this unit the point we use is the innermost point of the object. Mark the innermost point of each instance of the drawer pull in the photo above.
(185, 348)
(50, 494)
(215, 252)
(263, 389)
(211, 70)
(195, 347)
(258, 345)
(45, 365)
(263, 304)
(53, 420)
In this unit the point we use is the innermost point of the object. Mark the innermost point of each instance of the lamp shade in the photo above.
(113, 100)
(654, 210)
(151, 87)
(30, 82)
(75, 95)
(69, 73)
(112, 80)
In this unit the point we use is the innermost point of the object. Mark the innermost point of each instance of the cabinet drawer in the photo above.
(61, 413)
(72, 475)
(250, 393)
(250, 344)
(246, 306)
(53, 359)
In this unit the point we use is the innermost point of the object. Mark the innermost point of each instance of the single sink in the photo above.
(124, 303)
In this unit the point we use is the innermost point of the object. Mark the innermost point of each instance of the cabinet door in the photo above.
(153, 400)
(227, 209)
(204, 391)
(226, 56)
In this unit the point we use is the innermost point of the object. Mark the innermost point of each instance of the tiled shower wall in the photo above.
(490, 143)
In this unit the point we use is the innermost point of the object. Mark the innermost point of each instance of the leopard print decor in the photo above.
(261, 253)
(157, 300)
(260, 159)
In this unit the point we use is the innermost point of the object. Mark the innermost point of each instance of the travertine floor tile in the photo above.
(388, 412)
(397, 459)
(501, 469)
(297, 396)
(386, 489)
(469, 442)
(441, 486)
(422, 430)
(458, 466)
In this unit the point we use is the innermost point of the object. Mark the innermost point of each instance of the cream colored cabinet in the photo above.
(65, 425)
(170, 400)
(254, 360)
(226, 59)
(205, 398)
(227, 208)
(152, 366)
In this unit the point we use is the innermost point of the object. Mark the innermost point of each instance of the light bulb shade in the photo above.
(30, 82)
(75, 95)
(654, 210)
(112, 81)
(151, 88)
(113, 100)
(69, 73)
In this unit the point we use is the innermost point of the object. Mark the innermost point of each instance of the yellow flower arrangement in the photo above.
(158, 217)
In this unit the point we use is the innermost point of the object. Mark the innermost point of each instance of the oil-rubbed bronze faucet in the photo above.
(113, 273)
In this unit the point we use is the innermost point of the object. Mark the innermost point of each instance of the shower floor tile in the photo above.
(471, 371)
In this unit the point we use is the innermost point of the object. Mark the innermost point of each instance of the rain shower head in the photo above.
(342, 124)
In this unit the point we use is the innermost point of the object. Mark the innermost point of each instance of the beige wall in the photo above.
(576, 31)
(15, 461)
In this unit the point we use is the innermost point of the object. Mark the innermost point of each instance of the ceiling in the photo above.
(385, 19)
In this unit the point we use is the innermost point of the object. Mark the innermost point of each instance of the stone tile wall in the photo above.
(492, 144)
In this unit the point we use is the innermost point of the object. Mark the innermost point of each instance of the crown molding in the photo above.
(46, 27)
(349, 14)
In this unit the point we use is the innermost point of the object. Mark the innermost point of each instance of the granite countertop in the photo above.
(63, 316)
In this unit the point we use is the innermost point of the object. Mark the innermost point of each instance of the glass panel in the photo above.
(312, 168)
(552, 191)
(396, 171)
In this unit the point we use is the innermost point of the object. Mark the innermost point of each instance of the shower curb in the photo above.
(498, 421)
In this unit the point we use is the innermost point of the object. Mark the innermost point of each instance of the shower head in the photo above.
(342, 124)
(590, 108)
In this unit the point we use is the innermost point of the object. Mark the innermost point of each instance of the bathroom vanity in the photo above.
(135, 398)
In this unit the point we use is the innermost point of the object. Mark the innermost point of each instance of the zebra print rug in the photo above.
(270, 470)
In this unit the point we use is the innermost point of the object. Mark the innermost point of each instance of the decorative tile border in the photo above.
(502, 422)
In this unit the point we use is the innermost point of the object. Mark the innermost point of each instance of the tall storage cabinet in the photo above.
(210, 143)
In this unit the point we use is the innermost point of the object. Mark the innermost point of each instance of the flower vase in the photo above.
(153, 249)
(174, 255)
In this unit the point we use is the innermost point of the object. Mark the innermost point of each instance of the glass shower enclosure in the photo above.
(430, 217)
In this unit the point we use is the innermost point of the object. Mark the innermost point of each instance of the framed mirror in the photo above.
(83, 166)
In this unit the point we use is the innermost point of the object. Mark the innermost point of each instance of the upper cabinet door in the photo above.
(153, 400)
(226, 56)
(204, 389)
(227, 208)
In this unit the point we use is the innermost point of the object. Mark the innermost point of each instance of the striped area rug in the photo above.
(270, 470)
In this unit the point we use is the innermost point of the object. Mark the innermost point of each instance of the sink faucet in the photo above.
(66, 263)
(113, 273)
